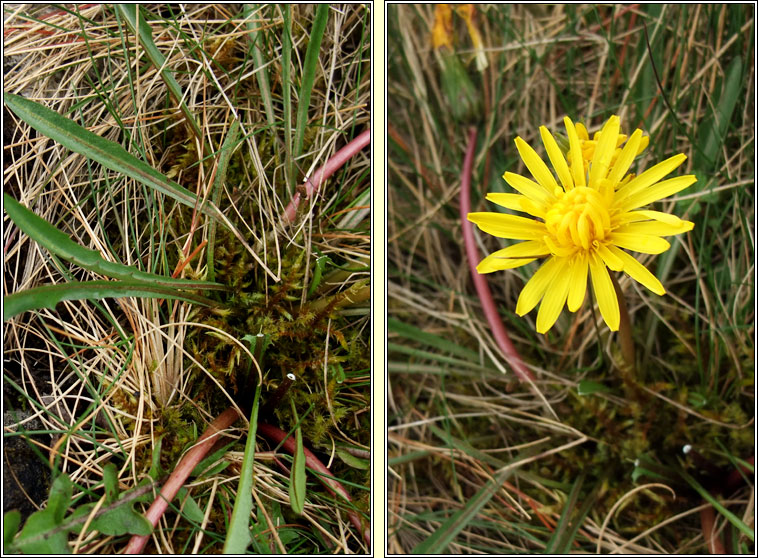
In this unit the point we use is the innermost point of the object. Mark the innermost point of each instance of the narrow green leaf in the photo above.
(715, 129)
(309, 75)
(11, 523)
(439, 540)
(110, 481)
(563, 531)
(230, 142)
(190, 509)
(321, 262)
(256, 39)
(144, 33)
(733, 519)
(48, 296)
(297, 475)
(60, 496)
(415, 334)
(238, 535)
(287, 95)
(588, 387)
(353, 461)
(60, 244)
(111, 155)
(108, 153)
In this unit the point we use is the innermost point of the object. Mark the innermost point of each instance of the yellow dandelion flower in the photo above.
(584, 224)
(587, 145)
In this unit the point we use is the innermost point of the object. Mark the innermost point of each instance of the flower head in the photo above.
(585, 224)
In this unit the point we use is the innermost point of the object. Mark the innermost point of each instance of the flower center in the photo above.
(578, 219)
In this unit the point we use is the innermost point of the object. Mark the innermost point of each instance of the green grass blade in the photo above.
(111, 155)
(411, 332)
(249, 11)
(309, 74)
(60, 244)
(297, 475)
(238, 536)
(48, 296)
(141, 28)
(733, 519)
(442, 537)
(714, 131)
(108, 153)
(230, 142)
(287, 95)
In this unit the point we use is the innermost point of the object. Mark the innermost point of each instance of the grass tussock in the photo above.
(588, 459)
(134, 382)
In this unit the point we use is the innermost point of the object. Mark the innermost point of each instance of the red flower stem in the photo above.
(332, 165)
(332, 485)
(179, 476)
(480, 282)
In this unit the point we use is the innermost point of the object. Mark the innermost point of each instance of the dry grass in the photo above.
(456, 413)
(118, 377)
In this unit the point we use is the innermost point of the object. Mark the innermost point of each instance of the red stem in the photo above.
(480, 282)
(332, 485)
(204, 443)
(181, 473)
(331, 166)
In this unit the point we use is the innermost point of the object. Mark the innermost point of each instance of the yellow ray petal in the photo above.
(577, 164)
(492, 263)
(658, 192)
(604, 292)
(639, 242)
(639, 272)
(516, 202)
(535, 288)
(601, 160)
(554, 299)
(577, 281)
(508, 226)
(557, 159)
(626, 157)
(609, 258)
(513, 256)
(649, 177)
(656, 228)
(529, 188)
(536, 166)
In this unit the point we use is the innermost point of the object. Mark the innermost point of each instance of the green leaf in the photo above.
(11, 523)
(111, 155)
(352, 461)
(50, 295)
(446, 533)
(297, 475)
(145, 36)
(317, 272)
(60, 497)
(108, 153)
(36, 536)
(588, 387)
(60, 244)
(238, 535)
(122, 520)
(733, 519)
(189, 506)
(110, 481)
(714, 129)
